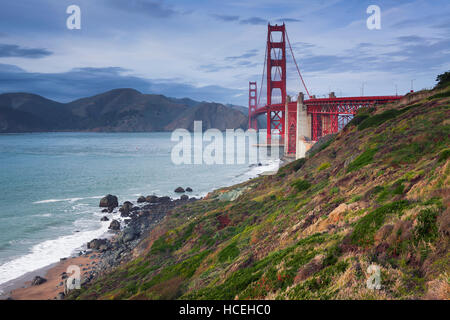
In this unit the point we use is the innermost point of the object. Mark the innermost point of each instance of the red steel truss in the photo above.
(330, 115)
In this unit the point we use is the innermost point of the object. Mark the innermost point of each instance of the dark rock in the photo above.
(141, 199)
(110, 209)
(96, 243)
(109, 201)
(129, 234)
(164, 199)
(151, 199)
(188, 189)
(115, 225)
(38, 281)
(104, 219)
(104, 210)
(184, 197)
(179, 190)
(125, 209)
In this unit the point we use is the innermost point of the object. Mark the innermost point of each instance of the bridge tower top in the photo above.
(276, 62)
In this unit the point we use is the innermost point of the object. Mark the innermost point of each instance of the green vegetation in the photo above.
(324, 166)
(366, 227)
(444, 155)
(443, 79)
(426, 228)
(378, 119)
(301, 185)
(228, 253)
(362, 160)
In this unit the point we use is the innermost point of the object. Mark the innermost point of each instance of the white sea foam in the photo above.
(65, 200)
(49, 252)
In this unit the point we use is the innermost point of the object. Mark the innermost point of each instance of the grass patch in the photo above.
(362, 160)
(426, 228)
(444, 155)
(323, 166)
(301, 185)
(228, 253)
(366, 227)
(378, 119)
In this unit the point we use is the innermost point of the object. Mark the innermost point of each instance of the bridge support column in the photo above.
(303, 128)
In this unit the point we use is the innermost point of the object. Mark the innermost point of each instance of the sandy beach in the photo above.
(50, 289)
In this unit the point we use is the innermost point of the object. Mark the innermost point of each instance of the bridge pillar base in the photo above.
(303, 128)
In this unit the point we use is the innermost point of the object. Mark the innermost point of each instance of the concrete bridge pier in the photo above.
(303, 139)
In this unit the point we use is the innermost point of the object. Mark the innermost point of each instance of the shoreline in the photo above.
(102, 254)
(93, 262)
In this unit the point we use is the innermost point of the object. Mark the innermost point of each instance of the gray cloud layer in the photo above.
(83, 82)
(12, 50)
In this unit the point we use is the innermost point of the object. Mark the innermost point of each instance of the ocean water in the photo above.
(51, 184)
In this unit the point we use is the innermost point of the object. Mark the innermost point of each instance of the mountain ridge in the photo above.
(117, 110)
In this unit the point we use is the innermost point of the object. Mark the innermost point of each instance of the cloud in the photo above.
(227, 18)
(12, 50)
(407, 54)
(152, 8)
(83, 82)
(248, 54)
(288, 20)
(254, 21)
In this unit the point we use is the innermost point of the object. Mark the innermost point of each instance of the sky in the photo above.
(209, 50)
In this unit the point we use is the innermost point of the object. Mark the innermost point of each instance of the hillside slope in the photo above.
(377, 193)
(119, 110)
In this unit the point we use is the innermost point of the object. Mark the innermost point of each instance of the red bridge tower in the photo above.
(276, 78)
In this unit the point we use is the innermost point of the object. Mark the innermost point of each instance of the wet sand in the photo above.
(51, 288)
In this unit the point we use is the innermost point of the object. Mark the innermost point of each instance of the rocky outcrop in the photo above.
(109, 201)
(179, 190)
(97, 243)
(115, 225)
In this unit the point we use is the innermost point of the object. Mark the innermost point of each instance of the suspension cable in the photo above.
(298, 70)
(262, 79)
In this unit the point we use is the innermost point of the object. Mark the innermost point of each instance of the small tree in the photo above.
(443, 79)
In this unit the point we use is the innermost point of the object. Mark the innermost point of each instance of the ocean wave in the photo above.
(48, 252)
(65, 200)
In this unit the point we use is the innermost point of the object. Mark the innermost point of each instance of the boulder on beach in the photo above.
(164, 199)
(151, 199)
(188, 189)
(109, 201)
(97, 243)
(115, 225)
(126, 206)
(105, 218)
(38, 281)
(141, 199)
(179, 190)
(184, 197)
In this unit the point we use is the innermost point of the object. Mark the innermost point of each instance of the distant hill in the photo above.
(119, 110)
